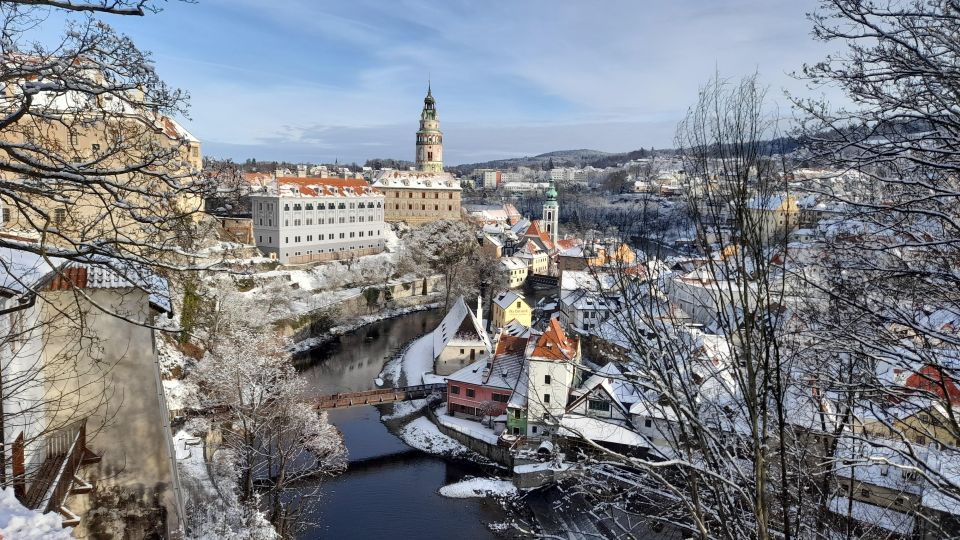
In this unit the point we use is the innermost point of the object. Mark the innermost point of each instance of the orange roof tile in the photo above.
(929, 379)
(554, 344)
(308, 185)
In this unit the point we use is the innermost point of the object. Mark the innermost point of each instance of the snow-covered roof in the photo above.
(442, 181)
(505, 369)
(506, 299)
(769, 202)
(873, 515)
(512, 263)
(22, 271)
(599, 430)
(460, 324)
(571, 280)
(517, 329)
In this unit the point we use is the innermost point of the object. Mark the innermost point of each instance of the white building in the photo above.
(301, 220)
(459, 339)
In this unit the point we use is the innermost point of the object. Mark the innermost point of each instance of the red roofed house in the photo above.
(302, 220)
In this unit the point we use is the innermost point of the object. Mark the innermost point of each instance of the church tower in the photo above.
(551, 213)
(429, 137)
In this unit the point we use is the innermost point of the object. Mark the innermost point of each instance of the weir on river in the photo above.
(389, 490)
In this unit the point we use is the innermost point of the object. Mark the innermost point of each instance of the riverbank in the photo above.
(359, 322)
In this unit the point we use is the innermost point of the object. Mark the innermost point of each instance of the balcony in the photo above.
(57, 477)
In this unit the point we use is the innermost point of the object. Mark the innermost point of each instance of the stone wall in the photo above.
(499, 454)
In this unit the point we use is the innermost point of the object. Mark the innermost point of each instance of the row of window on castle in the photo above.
(297, 207)
(423, 195)
(309, 237)
(331, 221)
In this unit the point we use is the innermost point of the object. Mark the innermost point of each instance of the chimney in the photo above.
(479, 311)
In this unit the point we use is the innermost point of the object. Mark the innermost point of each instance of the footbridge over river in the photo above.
(376, 397)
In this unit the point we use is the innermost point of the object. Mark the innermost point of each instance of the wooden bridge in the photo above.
(375, 397)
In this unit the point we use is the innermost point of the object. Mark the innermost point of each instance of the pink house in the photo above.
(484, 387)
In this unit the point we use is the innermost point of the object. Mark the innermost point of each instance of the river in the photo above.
(389, 490)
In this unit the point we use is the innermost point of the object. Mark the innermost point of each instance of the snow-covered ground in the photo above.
(20, 523)
(424, 435)
(418, 360)
(407, 408)
(478, 487)
(468, 427)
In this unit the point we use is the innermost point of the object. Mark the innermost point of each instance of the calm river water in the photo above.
(389, 489)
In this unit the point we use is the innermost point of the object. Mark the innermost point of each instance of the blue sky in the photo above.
(316, 81)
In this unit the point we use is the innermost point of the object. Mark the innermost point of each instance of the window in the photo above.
(455, 390)
(533, 430)
(59, 216)
(501, 398)
(884, 470)
(647, 422)
(865, 493)
(470, 392)
(462, 351)
(598, 405)
(546, 398)
(546, 379)
(261, 240)
(925, 418)
(516, 414)
(5, 216)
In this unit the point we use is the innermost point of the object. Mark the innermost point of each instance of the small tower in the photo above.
(429, 137)
(551, 213)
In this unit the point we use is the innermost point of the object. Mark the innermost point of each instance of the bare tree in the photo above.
(276, 438)
(444, 247)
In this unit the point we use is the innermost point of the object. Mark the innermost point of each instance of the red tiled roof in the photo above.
(510, 344)
(68, 278)
(554, 344)
(929, 379)
(308, 186)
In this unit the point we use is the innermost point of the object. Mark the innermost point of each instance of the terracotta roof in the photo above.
(508, 344)
(319, 187)
(567, 243)
(69, 278)
(554, 344)
(929, 379)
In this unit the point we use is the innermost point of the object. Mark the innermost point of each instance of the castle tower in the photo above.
(429, 137)
(551, 213)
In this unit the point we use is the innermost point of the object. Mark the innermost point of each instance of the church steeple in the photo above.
(429, 137)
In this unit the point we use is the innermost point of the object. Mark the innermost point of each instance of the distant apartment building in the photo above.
(302, 220)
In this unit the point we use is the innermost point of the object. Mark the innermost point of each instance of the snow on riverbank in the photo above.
(478, 487)
(359, 322)
(418, 360)
(408, 408)
(424, 435)
(20, 523)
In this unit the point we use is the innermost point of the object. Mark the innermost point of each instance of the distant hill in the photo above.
(561, 158)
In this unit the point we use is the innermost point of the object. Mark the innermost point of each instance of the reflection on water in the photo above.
(351, 362)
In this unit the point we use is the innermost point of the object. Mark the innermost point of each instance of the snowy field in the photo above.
(478, 487)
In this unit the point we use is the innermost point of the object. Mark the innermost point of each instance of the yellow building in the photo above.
(509, 306)
(516, 271)
(774, 216)
(109, 168)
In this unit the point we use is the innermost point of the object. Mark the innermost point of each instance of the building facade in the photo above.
(303, 220)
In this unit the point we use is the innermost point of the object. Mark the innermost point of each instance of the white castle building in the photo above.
(301, 220)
